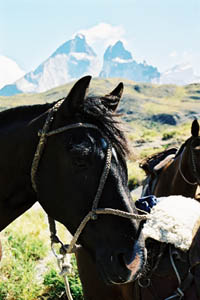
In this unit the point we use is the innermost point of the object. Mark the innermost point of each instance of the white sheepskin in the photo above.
(174, 220)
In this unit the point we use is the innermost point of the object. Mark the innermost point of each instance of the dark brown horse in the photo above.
(168, 268)
(72, 173)
(181, 174)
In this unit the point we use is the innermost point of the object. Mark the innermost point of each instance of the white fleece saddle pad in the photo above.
(174, 220)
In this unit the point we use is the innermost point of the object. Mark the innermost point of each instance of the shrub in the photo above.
(54, 283)
(17, 269)
(168, 135)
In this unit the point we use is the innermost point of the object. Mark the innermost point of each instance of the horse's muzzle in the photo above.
(122, 265)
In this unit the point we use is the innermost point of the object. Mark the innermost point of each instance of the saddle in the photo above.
(164, 260)
(155, 163)
(152, 166)
(173, 244)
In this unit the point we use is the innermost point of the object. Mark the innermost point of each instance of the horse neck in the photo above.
(171, 182)
(18, 140)
(186, 171)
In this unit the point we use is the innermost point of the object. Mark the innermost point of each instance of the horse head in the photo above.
(193, 145)
(84, 132)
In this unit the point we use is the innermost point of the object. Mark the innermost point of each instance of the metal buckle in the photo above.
(146, 282)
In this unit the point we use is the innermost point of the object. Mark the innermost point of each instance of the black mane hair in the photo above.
(93, 111)
(26, 112)
(107, 121)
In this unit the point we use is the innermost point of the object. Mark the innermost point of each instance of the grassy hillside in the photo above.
(157, 117)
(162, 104)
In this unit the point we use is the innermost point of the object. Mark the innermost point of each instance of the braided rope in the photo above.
(41, 143)
(103, 177)
(71, 126)
(101, 211)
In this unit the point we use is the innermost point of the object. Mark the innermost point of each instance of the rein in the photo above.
(182, 283)
(92, 214)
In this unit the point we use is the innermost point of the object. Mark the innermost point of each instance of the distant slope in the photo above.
(147, 103)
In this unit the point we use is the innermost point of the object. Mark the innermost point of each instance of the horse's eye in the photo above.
(196, 144)
(197, 148)
(80, 162)
(80, 156)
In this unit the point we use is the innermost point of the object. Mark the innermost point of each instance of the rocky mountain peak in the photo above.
(118, 62)
(117, 51)
(76, 45)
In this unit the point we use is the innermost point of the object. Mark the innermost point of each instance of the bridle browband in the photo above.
(92, 214)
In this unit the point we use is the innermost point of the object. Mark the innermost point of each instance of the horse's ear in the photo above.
(75, 99)
(111, 101)
(195, 128)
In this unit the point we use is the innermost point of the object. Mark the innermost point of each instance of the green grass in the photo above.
(148, 141)
(18, 267)
(28, 269)
(54, 284)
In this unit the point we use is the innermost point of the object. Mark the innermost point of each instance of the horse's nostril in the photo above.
(130, 260)
(134, 264)
(121, 259)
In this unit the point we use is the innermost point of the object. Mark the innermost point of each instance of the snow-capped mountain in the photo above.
(118, 62)
(75, 58)
(180, 74)
(70, 61)
(10, 71)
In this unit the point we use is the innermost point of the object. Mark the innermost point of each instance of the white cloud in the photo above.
(173, 54)
(9, 71)
(102, 35)
(186, 57)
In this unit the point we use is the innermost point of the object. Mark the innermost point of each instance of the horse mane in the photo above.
(181, 149)
(93, 111)
(26, 112)
(108, 122)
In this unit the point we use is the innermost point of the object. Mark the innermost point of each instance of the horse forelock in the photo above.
(95, 112)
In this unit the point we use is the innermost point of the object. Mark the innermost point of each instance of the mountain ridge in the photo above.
(70, 61)
(76, 58)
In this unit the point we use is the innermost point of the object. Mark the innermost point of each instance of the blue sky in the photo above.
(162, 32)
